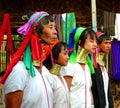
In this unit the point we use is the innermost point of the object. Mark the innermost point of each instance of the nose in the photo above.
(109, 45)
(67, 56)
(95, 44)
(55, 32)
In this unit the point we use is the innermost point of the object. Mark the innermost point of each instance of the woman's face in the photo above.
(105, 46)
(90, 44)
(49, 33)
(63, 57)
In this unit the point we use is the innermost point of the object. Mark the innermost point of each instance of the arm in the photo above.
(14, 99)
(68, 81)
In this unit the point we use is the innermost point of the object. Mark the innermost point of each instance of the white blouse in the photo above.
(105, 80)
(81, 85)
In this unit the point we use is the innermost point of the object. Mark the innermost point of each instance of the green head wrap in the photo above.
(76, 38)
(74, 53)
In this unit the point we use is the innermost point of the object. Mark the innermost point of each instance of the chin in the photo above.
(107, 52)
(51, 43)
(93, 51)
(65, 64)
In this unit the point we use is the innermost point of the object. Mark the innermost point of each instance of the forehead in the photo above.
(106, 41)
(63, 48)
(50, 24)
(93, 37)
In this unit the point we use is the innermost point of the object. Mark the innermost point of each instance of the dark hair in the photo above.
(102, 38)
(84, 36)
(27, 16)
(57, 49)
(45, 20)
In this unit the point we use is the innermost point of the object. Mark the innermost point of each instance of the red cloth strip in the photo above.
(6, 29)
(17, 56)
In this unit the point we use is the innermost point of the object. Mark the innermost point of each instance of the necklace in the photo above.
(81, 55)
(56, 69)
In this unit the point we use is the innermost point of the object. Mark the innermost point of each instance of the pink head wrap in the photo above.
(33, 20)
(99, 33)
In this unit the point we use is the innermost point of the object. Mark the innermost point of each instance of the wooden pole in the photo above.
(94, 19)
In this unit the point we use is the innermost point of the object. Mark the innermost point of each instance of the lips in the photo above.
(108, 49)
(94, 48)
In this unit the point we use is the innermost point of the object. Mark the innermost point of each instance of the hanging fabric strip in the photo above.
(116, 60)
(117, 26)
(109, 23)
(17, 56)
(58, 21)
(69, 23)
(28, 61)
(36, 51)
(6, 29)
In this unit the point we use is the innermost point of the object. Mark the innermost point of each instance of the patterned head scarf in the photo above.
(33, 20)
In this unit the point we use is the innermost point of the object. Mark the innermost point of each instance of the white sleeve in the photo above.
(17, 79)
(68, 70)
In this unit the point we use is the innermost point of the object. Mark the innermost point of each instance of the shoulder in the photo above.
(19, 65)
(19, 69)
(70, 66)
(68, 70)
(17, 78)
(45, 71)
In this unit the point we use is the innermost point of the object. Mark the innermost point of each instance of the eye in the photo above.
(66, 52)
(50, 27)
(92, 41)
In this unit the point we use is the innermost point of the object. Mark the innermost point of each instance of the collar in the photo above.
(101, 58)
(56, 69)
(81, 55)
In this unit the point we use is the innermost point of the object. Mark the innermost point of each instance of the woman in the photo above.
(60, 88)
(80, 67)
(101, 83)
(27, 83)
